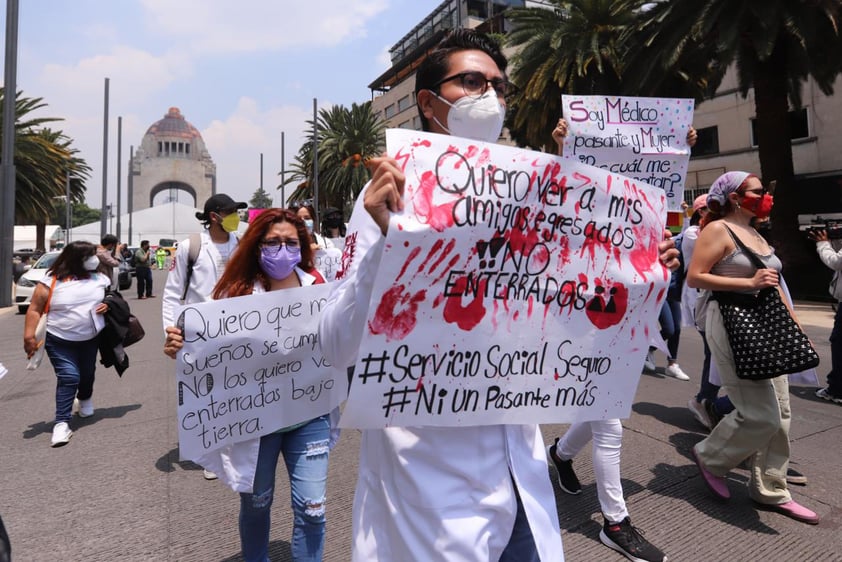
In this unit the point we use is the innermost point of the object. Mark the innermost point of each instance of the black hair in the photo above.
(71, 261)
(437, 62)
(108, 239)
(142, 242)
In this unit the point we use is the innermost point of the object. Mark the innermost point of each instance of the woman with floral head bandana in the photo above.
(758, 429)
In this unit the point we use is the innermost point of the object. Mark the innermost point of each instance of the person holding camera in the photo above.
(832, 259)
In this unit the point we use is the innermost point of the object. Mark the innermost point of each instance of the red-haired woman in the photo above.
(273, 255)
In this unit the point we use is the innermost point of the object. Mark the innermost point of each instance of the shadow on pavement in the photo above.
(677, 416)
(278, 550)
(37, 429)
(169, 460)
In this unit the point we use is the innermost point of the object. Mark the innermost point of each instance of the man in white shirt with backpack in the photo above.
(200, 259)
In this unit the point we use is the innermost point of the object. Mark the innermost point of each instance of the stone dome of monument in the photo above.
(173, 125)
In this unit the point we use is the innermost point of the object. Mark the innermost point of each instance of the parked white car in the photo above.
(29, 280)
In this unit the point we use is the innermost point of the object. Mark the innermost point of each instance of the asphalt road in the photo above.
(117, 491)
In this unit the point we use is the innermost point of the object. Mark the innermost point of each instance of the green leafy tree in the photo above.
(43, 160)
(347, 138)
(80, 214)
(775, 45)
(261, 199)
(590, 47)
(569, 47)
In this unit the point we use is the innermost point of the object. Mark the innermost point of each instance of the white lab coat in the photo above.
(432, 493)
(206, 272)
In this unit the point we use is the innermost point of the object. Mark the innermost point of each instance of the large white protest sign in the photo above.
(642, 138)
(515, 287)
(252, 365)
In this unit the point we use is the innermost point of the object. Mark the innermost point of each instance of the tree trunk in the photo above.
(40, 235)
(775, 151)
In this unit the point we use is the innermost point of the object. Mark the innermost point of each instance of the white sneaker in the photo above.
(675, 372)
(649, 362)
(700, 413)
(61, 434)
(85, 407)
(209, 475)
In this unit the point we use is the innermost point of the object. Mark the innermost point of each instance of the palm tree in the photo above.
(571, 47)
(43, 160)
(347, 138)
(776, 45)
(590, 47)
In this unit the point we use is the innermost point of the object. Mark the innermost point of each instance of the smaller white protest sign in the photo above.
(327, 261)
(641, 138)
(252, 365)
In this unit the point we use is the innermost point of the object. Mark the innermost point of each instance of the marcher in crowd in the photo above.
(160, 258)
(275, 255)
(333, 227)
(428, 493)
(143, 270)
(758, 429)
(189, 283)
(707, 406)
(832, 259)
(75, 292)
(617, 532)
(306, 213)
(108, 258)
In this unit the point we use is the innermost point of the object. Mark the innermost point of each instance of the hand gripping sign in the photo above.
(515, 287)
(642, 138)
(252, 365)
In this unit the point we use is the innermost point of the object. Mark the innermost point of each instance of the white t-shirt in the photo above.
(225, 250)
(72, 306)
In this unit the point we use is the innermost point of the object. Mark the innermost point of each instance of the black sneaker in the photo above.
(628, 541)
(566, 477)
(795, 477)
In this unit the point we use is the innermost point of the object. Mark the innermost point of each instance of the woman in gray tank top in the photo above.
(758, 429)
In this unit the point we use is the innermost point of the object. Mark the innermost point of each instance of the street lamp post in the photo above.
(68, 210)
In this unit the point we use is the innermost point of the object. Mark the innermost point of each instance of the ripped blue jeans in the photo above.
(305, 451)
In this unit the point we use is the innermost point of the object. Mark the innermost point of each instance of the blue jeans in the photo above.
(305, 451)
(834, 377)
(670, 321)
(708, 390)
(74, 363)
(521, 546)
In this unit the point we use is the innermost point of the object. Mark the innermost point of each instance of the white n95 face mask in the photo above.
(91, 263)
(478, 119)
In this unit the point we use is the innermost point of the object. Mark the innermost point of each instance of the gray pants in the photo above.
(757, 428)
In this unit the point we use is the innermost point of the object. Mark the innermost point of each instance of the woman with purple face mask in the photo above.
(275, 254)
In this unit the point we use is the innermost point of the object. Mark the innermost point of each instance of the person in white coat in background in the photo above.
(193, 275)
(439, 493)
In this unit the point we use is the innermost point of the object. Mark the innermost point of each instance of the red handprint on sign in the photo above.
(397, 313)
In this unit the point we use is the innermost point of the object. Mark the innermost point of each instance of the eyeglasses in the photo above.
(476, 84)
(273, 245)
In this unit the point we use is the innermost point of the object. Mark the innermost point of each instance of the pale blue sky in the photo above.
(241, 72)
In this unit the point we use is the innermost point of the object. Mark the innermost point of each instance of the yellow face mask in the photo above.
(230, 223)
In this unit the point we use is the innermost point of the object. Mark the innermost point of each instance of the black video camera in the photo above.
(833, 227)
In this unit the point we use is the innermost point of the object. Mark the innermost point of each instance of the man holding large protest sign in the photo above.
(470, 491)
